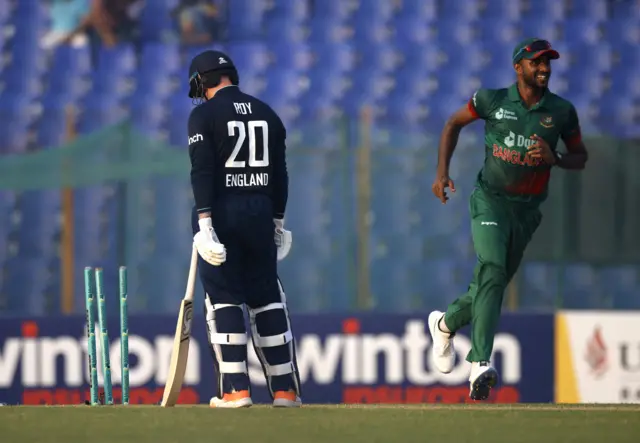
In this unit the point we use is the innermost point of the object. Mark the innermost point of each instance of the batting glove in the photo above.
(208, 245)
(283, 239)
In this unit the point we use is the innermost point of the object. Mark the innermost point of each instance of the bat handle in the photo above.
(191, 281)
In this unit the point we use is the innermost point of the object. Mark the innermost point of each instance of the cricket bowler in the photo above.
(523, 124)
(240, 185)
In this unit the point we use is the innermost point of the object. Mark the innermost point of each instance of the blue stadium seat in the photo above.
(541, 27)
(250, 56)
(17, 114)
(295, 11)
(625, 9)
(368, 90)
(423, 9)
(629, 58)
(384, 59)
(303, 283)
(283, 30)
(453, 31)
(180, 106)
(582, 30)
(408, 109)
(287, 83)
(306, 192)
(582, 288)
(68, 67)
(592, 84)
(595, 10)
(502, 76)
(625, 83)
(330, 31)
(387, 275)
(98, 111)
(546, 10)
(298, 56)
(391, 205)
(163, 294)
(7, 205)
(467, 10)
(444, 280)
(374, 10)
(14, 80)
(616, 113)
(155, 21)
(334, 58)
(622, 30)
(246, 19)
(51, 129)
(503, 10)
(41, 208)
(496, 32)
(173, 204)
(334, 10)
(537, 284)
(161, 57)
(622, 283)
(28, 284)
(5, 12)
(411, 30)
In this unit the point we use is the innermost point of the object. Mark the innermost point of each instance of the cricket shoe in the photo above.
(286, 399)
(483, 377)
(444, 355)
(234, 400)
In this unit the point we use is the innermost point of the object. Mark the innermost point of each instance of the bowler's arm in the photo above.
(450, 133)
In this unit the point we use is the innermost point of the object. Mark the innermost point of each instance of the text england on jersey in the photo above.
(247, 180)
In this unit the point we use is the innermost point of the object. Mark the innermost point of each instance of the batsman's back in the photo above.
(249, 142)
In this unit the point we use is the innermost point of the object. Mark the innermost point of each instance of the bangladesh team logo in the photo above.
(546, 122)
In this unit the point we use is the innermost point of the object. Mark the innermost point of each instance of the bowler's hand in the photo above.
(440, 184)
(541, 149)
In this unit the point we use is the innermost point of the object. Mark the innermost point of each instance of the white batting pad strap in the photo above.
(225, 305)
(232, 367)
(220, 338)
(268, 307)
(270, 341)
(283, 369)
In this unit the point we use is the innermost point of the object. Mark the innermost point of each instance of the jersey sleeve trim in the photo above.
(472, 109)
(573, 140)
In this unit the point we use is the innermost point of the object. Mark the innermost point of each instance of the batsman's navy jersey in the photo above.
(237, 147)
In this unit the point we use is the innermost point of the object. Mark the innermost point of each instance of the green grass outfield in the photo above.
(316, 423)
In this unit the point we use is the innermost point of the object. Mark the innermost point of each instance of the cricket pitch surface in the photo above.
(474, 423)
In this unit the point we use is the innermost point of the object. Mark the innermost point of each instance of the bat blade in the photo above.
(180, 351)
(179, 355)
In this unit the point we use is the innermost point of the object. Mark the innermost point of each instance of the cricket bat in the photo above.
(180, 352)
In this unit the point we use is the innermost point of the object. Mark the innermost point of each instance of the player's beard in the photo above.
(533, 81)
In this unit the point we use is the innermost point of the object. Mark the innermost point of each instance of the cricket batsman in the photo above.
(240, 185)
(523, 124)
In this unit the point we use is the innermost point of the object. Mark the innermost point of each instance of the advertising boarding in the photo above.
(342, 359)
(598, 357)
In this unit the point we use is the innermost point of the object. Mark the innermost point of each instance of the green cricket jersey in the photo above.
(508, 169)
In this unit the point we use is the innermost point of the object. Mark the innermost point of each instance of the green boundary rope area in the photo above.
(324, 423)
